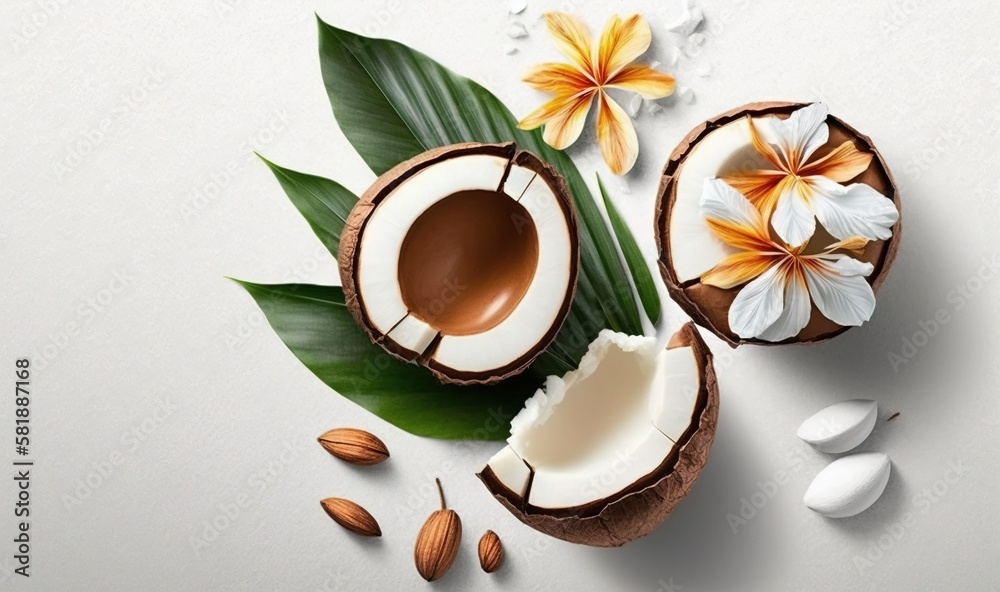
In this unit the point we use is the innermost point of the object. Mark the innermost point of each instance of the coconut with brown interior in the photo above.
(603, 454)
(463, 259)
(687, 247)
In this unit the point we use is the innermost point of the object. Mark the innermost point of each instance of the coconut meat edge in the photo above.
(694, 248)
(598, 430)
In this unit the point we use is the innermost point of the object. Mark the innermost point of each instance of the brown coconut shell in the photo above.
(354, 228)
(639, 509)
(709, 305)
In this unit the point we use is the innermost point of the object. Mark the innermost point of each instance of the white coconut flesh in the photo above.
(510, 325)
(694, 248)
(600, 429)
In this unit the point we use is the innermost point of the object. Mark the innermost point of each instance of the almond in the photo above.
(490, 552)
(437, 543)
(351, 516)
(357, 447)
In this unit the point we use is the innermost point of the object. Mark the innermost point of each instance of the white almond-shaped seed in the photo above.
(849, 485)
(841, 426)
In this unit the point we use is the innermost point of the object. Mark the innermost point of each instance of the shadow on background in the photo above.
(863, 362)
(696, 545)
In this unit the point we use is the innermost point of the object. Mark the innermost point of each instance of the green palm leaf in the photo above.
(393, 103)
(637, 266)
(316, 326)
(325, 204)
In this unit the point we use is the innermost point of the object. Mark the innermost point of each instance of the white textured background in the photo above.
(129, 190)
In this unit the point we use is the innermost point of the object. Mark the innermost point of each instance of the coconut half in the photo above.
(603, 454)
(463, 259)
(688, 248)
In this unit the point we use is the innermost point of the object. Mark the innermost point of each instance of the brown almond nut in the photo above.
(490, 552)
(357, 447)
(437, 543)
(351, 516)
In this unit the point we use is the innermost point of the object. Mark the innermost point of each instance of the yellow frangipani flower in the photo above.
(591, 72)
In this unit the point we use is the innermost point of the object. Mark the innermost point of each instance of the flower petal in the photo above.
(800, 135)
(855, 210)
(760, 187)
(572, 38)
(845, 264)
(855, 244)
(560, 79)
(733, 218)
(539, 116)
(615, 135)
(839, 289)
(644, 80)
(621, 43)
(742, 237)
(739, 268)
(793, 220)
(551, 109)
(842, 164)
(759, 304)
(798, 309)
(563, 129)
(721, 202)
(762, 146)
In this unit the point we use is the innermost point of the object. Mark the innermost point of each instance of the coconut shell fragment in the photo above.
(638, 509)
(709, 305)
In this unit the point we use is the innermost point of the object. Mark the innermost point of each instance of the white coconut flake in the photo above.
(634, 105)
(517, 6)
(705, 70)
(653, 108)
(516, 31)
(685, 94)
(673, 55)
(510, 49)
(694, 43)
(538, 408)
(687, 20)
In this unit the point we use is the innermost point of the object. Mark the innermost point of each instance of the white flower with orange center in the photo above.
(781, 281)
(801, 189)
(591, 72)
